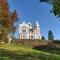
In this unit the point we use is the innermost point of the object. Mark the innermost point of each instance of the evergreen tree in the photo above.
(50, 35)
(43, 38)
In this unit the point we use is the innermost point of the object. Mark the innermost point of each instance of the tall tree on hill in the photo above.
(7, 19)
(50, 35)
(55, 6)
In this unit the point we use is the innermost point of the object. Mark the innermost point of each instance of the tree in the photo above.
(50, 35)
(7, 19)
(43, 38)
(55, 6)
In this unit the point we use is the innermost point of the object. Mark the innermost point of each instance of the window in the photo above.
(23, 30)
(21, 36)
(32, 37)
(24, 36)
(29, 36)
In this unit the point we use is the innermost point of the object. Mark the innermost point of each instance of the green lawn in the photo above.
(23, 52)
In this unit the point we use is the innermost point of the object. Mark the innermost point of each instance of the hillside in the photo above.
(24, 52)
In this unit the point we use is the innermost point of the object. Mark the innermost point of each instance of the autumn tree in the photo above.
(7, 19)
(55, 6)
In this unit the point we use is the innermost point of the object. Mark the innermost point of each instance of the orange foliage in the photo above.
(6, 17)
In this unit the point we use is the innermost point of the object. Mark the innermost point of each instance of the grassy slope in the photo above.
(23, 52)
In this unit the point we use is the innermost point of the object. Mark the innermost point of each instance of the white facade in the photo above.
(27, 31)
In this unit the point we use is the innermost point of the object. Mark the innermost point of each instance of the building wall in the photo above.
(25, 33)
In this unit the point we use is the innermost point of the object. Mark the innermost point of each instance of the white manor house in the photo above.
(27, 31)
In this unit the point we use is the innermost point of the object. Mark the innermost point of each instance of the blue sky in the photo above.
(32, 10)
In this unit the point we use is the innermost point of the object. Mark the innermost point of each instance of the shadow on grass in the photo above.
(49, 49)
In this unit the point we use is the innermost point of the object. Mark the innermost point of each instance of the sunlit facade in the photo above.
(27, 31)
